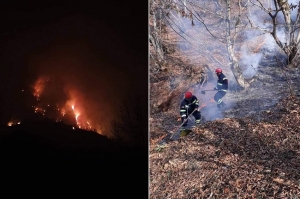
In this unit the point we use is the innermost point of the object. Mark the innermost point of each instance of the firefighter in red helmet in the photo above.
(222, 87)
(187, 106)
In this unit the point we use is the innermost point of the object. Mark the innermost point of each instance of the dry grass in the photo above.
(232, 158)
(225, 158)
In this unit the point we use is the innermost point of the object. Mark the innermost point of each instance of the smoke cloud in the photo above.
(250, 46)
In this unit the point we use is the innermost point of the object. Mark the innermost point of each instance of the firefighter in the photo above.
(187, 106)
(222, 87)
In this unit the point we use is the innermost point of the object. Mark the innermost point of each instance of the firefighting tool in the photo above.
(203, 92)
(178, 130)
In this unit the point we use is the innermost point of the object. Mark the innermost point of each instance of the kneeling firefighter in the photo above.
(189, 104)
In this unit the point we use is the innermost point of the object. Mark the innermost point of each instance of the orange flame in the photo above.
(39, 86)
(74, 105)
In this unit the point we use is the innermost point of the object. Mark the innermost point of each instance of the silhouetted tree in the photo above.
(131, 123)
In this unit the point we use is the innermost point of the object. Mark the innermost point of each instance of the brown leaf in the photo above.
(279, 180)
(226, 190)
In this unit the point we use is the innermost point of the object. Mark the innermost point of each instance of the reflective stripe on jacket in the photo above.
(222, 83)
(186, 106)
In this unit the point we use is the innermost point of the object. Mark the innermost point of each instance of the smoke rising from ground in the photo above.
(250, 47)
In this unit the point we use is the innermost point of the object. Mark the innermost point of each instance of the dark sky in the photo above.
(94, 55)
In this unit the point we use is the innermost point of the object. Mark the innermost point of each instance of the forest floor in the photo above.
(250, 149)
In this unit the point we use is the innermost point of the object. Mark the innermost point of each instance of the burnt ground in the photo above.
(271, 83)
(232, 158)
(249, 150)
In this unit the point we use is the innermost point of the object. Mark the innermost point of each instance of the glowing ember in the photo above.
(63, 112)
(13, 123)
(39, 110)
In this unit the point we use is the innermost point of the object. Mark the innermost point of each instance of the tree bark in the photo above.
(235, 68)
(154, 37)
(284, 5)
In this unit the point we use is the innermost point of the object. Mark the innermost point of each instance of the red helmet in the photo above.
(218, 70)
(188, 95)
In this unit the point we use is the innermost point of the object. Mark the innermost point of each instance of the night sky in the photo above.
(94, 55)
(73, 59)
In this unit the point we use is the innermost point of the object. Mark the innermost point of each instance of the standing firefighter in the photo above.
(222, 88)
(189, 104)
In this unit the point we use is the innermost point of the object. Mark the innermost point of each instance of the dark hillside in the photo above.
(50, 158)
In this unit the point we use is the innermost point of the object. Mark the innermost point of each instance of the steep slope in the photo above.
(232, 158)
(272, 82)
(249, 149)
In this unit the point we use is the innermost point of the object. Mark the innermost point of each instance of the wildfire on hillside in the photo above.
(40, 86)
(70, 109)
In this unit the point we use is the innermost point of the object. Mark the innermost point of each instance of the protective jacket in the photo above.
(222, 83)
(187, 106)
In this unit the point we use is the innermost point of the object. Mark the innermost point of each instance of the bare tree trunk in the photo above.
(290, 46)
(156, 46)
(154, 37)
(234, 62)
(284, 5)
(291, 49)
(296, 31)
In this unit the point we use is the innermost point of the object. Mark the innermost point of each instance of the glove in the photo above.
(216, 88)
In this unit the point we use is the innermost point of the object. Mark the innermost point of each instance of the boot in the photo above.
(221, 105)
